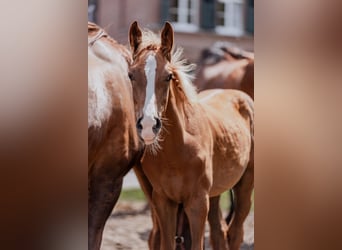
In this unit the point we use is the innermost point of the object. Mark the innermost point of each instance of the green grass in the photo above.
(137, 194)
(225, 201)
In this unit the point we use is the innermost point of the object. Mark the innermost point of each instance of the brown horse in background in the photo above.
(113, 144)
(197, 145)
(226, 66)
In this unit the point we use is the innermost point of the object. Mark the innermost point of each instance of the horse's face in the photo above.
(150, 76)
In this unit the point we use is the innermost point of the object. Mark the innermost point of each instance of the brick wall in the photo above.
(117, 15)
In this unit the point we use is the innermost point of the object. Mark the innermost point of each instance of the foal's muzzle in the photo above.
(148, 128)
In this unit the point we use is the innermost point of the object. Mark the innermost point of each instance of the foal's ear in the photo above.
(167, 40)
(135, 36)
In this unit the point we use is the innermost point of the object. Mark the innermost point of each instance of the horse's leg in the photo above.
(242, 199)
(154, 237)
(185, 227)
(197, 209)
(166, 213)
(102, 196)
(218, 226)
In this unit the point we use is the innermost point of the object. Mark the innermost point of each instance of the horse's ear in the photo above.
(135, 36)
(167, 40)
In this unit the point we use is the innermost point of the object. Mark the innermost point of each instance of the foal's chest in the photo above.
(173, 177)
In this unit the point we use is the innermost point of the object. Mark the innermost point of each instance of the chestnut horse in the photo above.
(113, 143)
(226, 66)
(197, 145)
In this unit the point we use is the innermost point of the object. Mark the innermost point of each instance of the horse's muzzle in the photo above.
(148, 128)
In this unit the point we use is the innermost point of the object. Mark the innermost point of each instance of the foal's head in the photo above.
(151, 75)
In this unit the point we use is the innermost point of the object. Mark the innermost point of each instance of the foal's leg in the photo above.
(154, 237)
(103, 194)
(242, 190)
(166, 212)
(197, 209)
(186, 234)
(218, 226)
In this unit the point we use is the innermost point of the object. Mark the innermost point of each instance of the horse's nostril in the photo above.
(158, 123)
(139, 126)
(157, 126)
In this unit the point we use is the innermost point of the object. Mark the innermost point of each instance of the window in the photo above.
(230, 17)
(184, 14)
(225, 17)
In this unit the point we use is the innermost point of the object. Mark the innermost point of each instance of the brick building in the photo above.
(197, 23)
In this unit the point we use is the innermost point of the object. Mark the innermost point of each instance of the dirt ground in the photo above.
(129, 225)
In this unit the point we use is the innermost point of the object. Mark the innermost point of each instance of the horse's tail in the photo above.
(232, 207)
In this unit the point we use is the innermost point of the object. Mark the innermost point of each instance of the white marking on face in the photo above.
(150, 110)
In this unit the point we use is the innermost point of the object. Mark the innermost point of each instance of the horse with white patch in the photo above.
(113, 144)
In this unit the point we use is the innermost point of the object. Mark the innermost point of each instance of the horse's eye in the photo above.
(130, 75)
(169, 77)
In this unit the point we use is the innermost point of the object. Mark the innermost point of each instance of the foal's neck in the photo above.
(177, 114)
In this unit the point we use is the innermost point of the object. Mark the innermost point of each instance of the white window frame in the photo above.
(182, 11)
(229, 15)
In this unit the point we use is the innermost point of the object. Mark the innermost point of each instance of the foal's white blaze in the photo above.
(150, 110)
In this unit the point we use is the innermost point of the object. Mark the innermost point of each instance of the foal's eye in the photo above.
(169, 77)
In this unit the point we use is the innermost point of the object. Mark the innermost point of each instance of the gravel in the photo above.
(129, 226)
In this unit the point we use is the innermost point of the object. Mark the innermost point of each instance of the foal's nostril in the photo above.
(157, 126)
(139, 126)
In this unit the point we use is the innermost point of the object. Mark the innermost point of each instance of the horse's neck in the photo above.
(177, 116)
